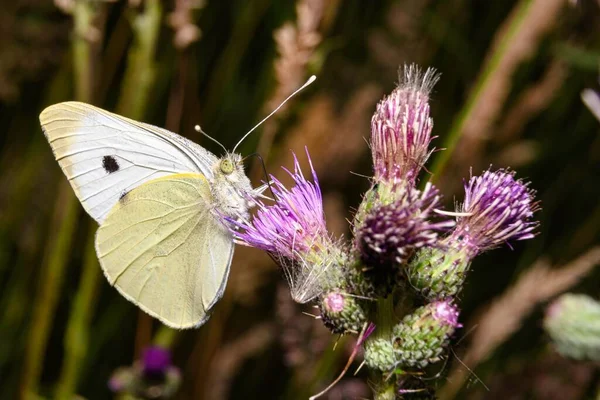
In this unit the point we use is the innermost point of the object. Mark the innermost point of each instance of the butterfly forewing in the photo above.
(104, 155)
(164, 249)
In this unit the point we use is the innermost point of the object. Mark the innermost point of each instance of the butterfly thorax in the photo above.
(231, 189)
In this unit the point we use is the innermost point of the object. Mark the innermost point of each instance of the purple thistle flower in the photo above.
(155, 361)
(499, 208)
(391, 233)
(446, 313)
(294, 224)
(334, 301)
(153, 376)
(401, 127)
(342, 312)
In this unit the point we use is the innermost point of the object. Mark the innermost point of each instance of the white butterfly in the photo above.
(160, 200)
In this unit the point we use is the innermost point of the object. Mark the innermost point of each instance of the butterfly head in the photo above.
(231, 187)
(227, 165)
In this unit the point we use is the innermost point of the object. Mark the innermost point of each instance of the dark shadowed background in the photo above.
(509, 95)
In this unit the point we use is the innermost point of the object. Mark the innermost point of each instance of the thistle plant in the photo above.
(408, 258)
(151, 377)
(573, 323)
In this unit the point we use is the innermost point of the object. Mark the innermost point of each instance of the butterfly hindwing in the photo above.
(105, 156)
(165, 251)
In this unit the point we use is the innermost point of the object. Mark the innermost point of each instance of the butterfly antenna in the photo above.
(198, 129)
(308, 82)
(264, 168)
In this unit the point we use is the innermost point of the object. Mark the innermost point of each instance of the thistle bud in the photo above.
(497, 209)
(294, 225)
(573, 323)
(155, 362)
(341, 312)
(152, 377)
(401, 127)
(421, 337)
(379, 354)
(293, 232)
(438, 273)
(391, 232)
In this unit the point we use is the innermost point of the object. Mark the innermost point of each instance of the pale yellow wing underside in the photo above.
(165, 251)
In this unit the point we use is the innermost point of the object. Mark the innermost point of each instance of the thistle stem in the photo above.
(383, 389)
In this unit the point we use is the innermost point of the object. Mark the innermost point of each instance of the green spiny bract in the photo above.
(422, 336)
(379, 354)
(396, 226)
(573, 323)
(342, 312)
(438, 273)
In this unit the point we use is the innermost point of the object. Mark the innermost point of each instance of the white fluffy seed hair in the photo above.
(306, 278)
(412, 78)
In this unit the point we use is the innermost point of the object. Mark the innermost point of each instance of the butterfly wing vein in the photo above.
(105, 156)
(164, 250)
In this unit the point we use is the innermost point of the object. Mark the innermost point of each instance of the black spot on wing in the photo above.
(122, 197)
(110, 164)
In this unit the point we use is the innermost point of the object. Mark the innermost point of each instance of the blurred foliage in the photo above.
(512, 74)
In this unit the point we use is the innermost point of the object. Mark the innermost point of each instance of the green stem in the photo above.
(229, 62)
(165, 337)
(64, 223)
(54, 265)
(83, 16)
(78, 328)
(452, 138)
(140, 75)
(384, 391)
(385, 319)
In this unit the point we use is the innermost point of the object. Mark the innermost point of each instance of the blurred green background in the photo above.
(512, 76)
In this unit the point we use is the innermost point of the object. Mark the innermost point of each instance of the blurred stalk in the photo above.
(165, 337)
(107, 326)
(66, 212)
(452, 138)
(141, 68)
(17, 300)
(85, 33)
(51, 281)
(248, 20)
(76, 338)
(77, 335)
(325, 370)
(139, 81)
(19, 185)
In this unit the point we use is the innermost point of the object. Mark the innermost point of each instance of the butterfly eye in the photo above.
(226, 166)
